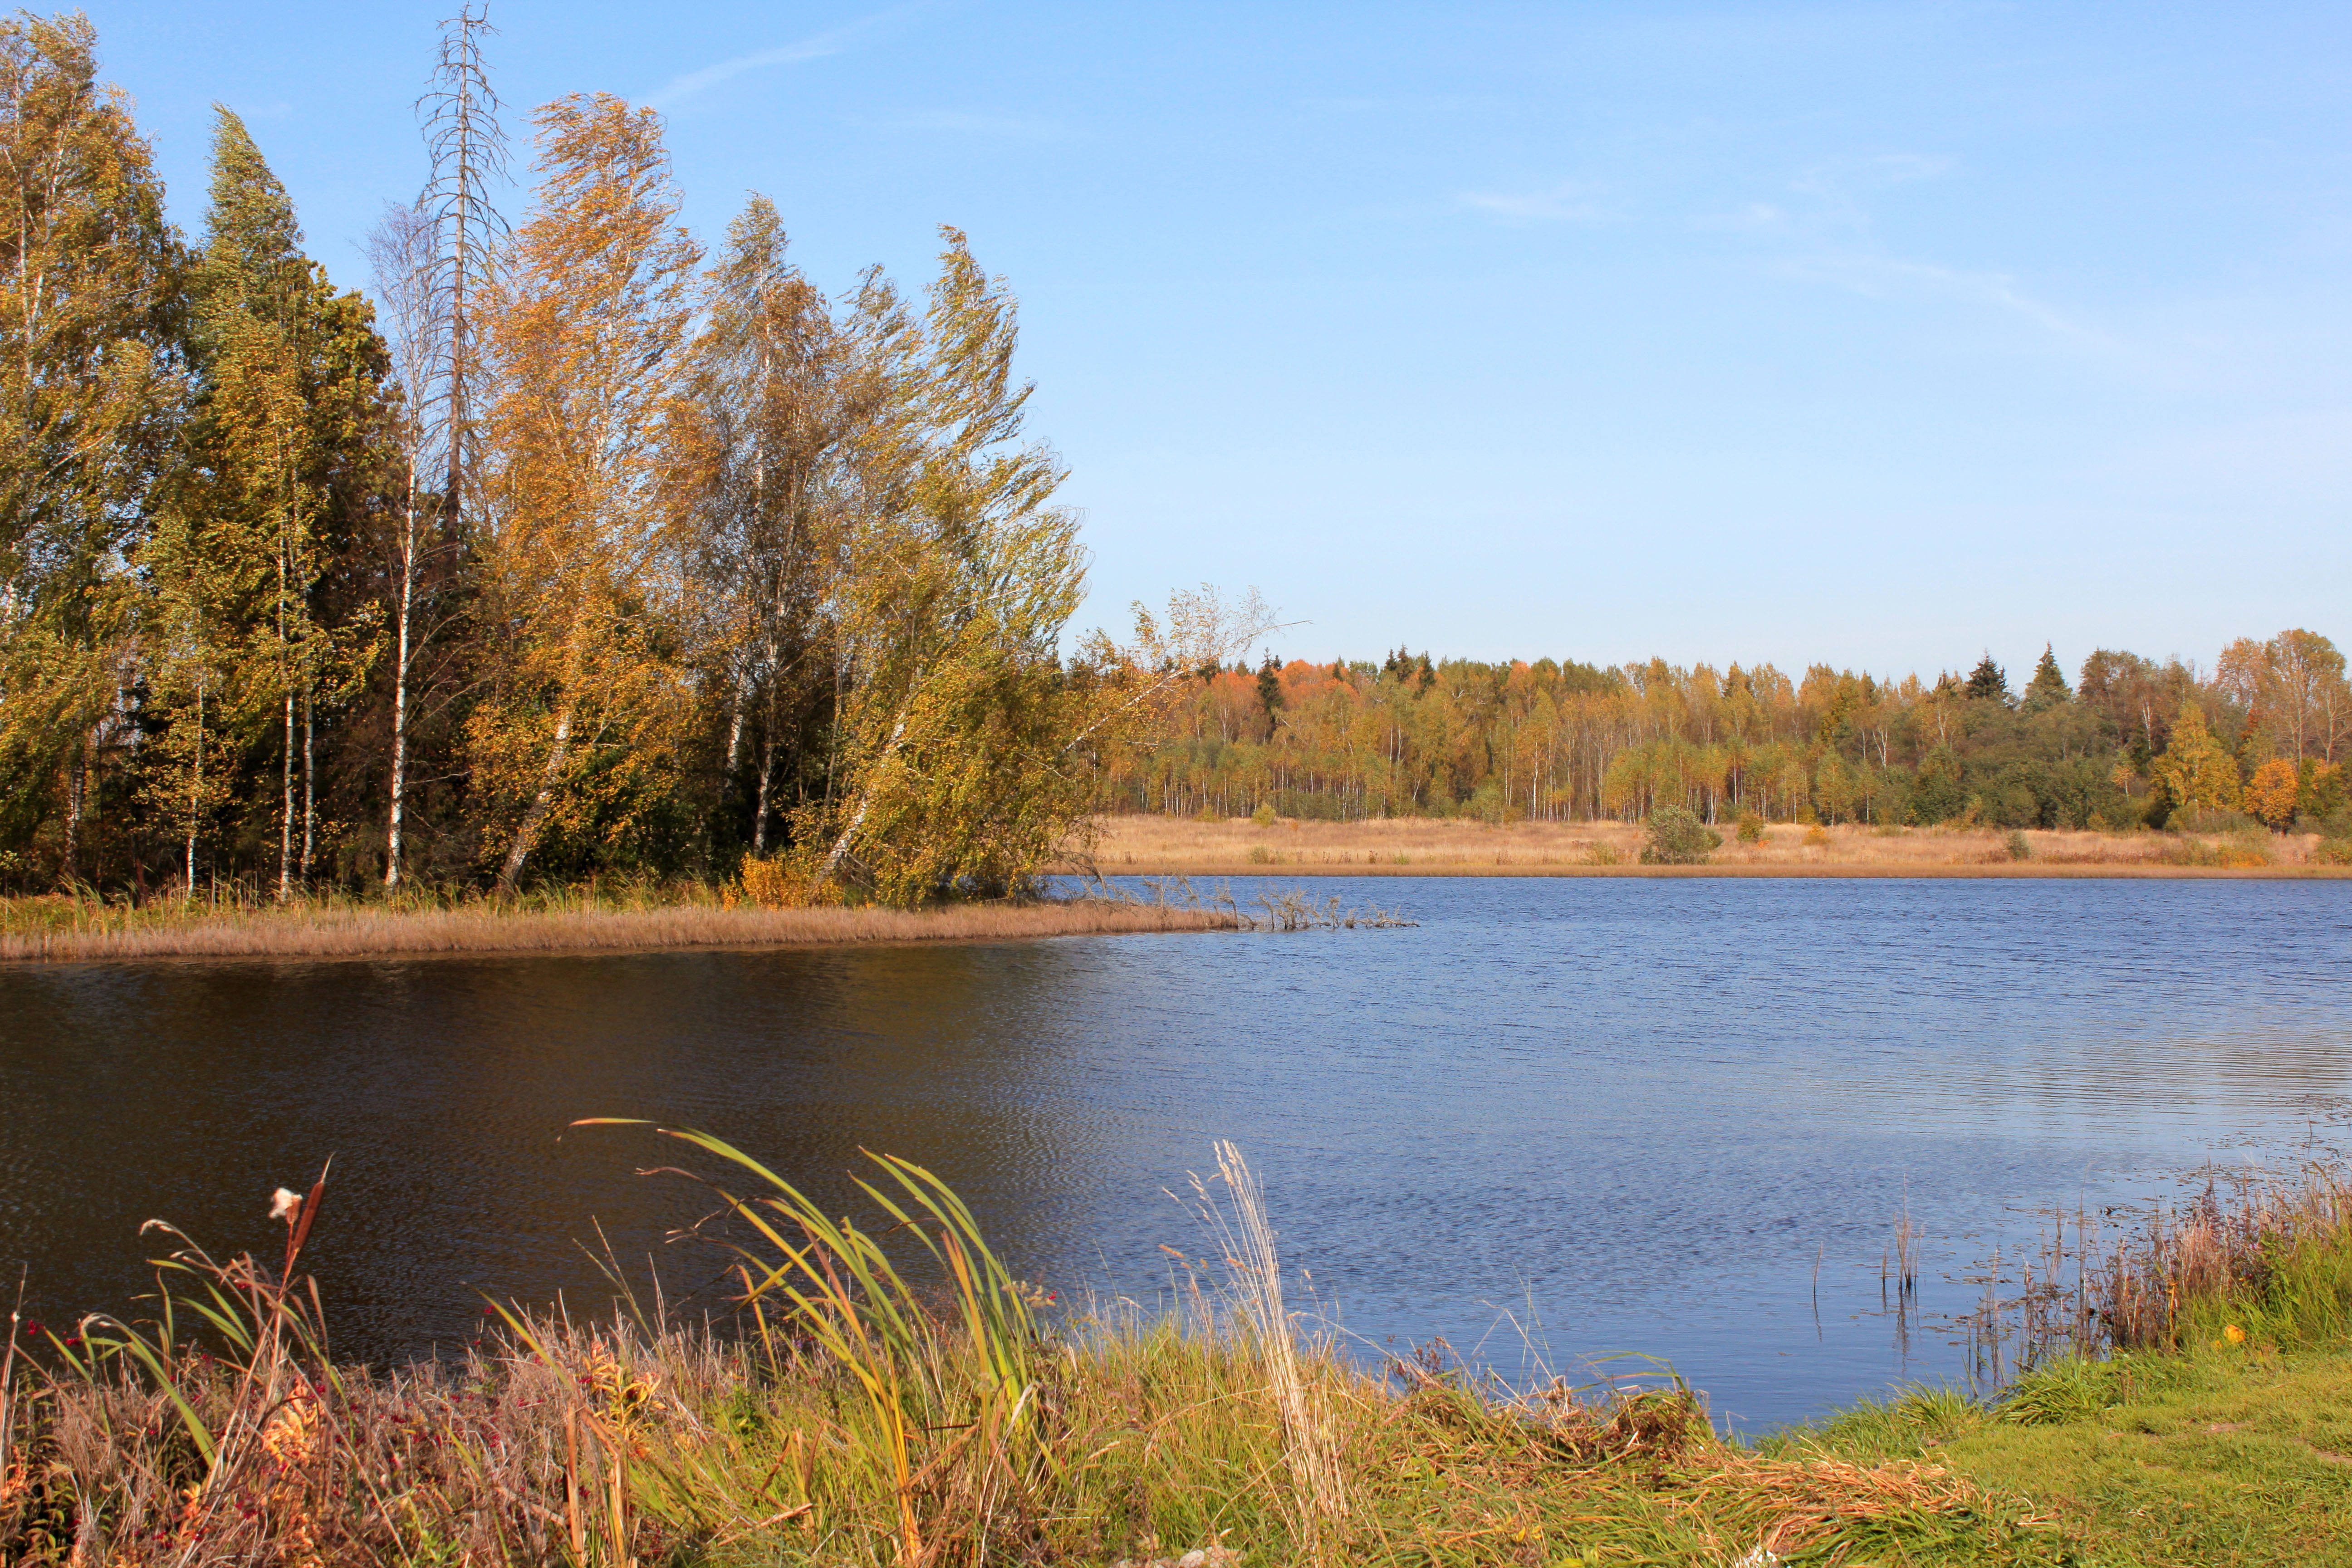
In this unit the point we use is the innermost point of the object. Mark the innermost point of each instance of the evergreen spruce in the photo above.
(1988, 681)
(2048, 688)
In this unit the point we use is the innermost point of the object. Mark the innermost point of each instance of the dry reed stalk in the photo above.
(1796, 1505)
(367, 933)
(1248, 1239)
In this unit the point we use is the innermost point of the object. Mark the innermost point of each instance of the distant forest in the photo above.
(2127, 742)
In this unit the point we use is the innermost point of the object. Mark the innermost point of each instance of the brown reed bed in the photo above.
(1142, 845)
(889, 1395)
(2249, 1260)
(62, 930)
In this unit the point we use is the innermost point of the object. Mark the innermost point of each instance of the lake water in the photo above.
(1628, 1114)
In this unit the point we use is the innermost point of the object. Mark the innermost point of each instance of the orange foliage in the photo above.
(2271, 794)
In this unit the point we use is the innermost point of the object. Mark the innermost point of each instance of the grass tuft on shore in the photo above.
(888, 1393)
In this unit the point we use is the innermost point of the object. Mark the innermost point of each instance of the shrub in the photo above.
(2333, 852)
(1817, 836)
(1750, 829)
(2019, 849)
(785, 882)
(1678, 838)
(1264, 815)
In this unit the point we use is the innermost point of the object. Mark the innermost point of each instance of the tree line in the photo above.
(572, 550)
(2131, 741)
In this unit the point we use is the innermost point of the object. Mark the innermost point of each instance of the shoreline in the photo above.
(366, 935)
(1893, 870)
(1138, 846)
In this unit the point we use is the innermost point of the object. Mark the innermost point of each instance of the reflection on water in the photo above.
(1626, 1113)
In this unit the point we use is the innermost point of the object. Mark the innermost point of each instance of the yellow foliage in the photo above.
(2195, 768)
(787, 881)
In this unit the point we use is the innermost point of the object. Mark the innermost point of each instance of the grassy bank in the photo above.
(69, 929)
(890, 1396)
(1431, 847)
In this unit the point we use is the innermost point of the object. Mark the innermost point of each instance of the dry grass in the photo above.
(864, 1417)
(70, 931)
(1437, 847)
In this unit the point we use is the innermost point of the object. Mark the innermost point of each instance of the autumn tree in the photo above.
(2196, 769)
(762, 455)
(2304, 675)
(951, 770)
(2270, 792)
(89, 394)
(587, 324)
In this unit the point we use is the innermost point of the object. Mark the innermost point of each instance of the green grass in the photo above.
(892, 1396)
(2236, 1458)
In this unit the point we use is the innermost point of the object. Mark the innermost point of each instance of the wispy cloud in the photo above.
(961, 123)
(1883, 278)
(679, 89)
(1562, 204)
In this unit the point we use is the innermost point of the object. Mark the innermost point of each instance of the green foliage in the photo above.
(2048, 688)
(1750, 829)
(2019, 849)
(1677, 837)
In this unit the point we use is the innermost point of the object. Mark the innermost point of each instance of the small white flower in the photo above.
(285, 1205)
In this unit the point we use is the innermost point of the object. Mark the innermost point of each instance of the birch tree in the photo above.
(587, 324)
(761, 444)
(90, 392)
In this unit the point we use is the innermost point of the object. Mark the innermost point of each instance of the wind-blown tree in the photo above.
(587, 699)
(761, 447)
(966, 752)
(89, 395)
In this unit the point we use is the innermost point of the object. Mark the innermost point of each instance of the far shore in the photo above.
(358, 933)
(1431, 847)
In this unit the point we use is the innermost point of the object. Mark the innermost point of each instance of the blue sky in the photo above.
(1873, 334)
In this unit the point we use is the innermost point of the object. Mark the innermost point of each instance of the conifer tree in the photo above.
(1269, 687)
(282, 422)
(89, 393)
(2048, 688)
(1987, 682)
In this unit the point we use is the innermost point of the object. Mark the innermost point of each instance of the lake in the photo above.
(1569, 1117)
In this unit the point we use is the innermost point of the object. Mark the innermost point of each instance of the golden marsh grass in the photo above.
(1141, 846)
(72, 930)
